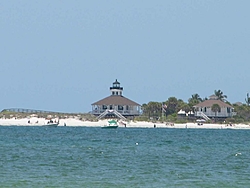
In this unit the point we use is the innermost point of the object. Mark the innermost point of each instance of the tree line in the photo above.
(167, 110)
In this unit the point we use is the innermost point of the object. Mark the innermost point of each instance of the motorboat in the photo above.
(112, 124)
(51, 124)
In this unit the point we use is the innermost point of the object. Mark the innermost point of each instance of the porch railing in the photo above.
(123, 112)
(216, 115)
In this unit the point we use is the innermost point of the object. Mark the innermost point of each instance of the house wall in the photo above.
(225, 112)
(124, 110)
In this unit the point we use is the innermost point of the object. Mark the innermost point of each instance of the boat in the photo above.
(51, 125)
(200, 121)
(112, 124)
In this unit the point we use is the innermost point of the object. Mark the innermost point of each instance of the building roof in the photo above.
(116, 100)
(116, 82)
(213, 97)
(210, 102)
(181, 112)
(238, 103)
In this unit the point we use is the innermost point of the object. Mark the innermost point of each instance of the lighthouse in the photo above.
(116, 89)
(116, 103)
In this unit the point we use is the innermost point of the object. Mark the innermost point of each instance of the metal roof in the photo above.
(210, 102)
(116, 100)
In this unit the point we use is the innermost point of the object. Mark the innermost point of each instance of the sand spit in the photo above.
(76, 122)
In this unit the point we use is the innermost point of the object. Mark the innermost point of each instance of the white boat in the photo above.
(51, 125)
(200, 121)
(112, 124)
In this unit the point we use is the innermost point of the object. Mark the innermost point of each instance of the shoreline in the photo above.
(139, 124)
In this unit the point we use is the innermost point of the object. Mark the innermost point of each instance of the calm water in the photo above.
(95, 157)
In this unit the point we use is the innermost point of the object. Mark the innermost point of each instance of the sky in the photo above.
(64, 55)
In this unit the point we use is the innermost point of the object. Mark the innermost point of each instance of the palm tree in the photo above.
(196, 97)
(205, 99)
(145, 110)
(155, 109)
(219, 94)
(172, 103)
(215, 108)
(247, 99)
(186, 108)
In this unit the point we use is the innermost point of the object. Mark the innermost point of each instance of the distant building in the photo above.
(204, 109)
(116, 103)
(238, 103)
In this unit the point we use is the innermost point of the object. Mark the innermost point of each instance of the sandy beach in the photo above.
(34, 121)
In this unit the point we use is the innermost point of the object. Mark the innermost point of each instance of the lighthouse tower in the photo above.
(116, 89)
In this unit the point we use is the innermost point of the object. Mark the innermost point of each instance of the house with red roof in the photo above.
(116, 104)
(204, 109)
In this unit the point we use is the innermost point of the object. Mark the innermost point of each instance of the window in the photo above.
(104, 107)
(120, 107)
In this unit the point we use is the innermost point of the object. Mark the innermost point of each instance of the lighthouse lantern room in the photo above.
(116, 89)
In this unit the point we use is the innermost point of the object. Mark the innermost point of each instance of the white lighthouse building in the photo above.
(116, 103)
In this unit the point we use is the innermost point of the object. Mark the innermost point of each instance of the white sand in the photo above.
(34, 121)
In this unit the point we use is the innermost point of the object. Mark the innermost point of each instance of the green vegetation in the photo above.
(18, 115)
(215, 108)
(220, 95)
(247, 100)
(155, 111)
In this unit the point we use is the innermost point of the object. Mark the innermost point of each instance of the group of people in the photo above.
(29, 121)
(51, 121)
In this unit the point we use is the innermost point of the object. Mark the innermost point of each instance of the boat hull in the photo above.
(112, 124)
(110, 127)
(51, 125)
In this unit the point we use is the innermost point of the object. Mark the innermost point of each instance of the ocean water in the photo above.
(123, 157)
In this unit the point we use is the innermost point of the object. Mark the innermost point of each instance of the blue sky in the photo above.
(64, 55)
